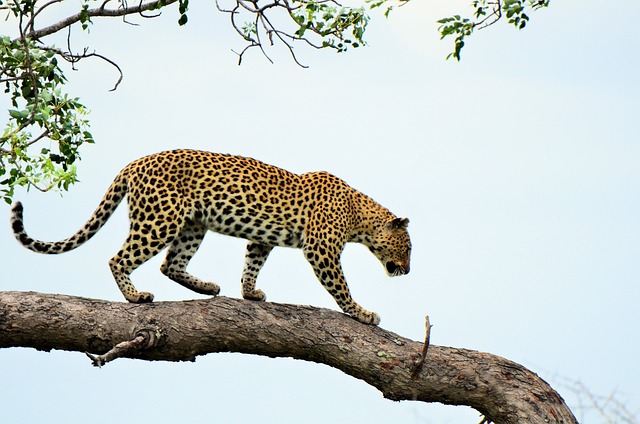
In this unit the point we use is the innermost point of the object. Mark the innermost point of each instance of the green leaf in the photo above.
(19, 114)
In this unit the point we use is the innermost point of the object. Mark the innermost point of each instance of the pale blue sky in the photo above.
(519, 168)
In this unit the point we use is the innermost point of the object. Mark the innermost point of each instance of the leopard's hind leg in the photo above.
(151, 230)
(137, 249)
(180, 252)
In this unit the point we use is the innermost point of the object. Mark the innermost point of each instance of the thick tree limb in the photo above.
(503, 391)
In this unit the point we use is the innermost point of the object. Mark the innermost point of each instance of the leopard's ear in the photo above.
(398, 223)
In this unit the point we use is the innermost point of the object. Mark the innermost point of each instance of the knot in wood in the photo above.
(151, 337)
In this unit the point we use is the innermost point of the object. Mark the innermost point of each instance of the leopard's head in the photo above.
(392, 246)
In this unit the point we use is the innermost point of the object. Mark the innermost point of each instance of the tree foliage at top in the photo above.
(46, 127)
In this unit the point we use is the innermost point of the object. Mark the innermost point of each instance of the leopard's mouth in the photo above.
(394, 269)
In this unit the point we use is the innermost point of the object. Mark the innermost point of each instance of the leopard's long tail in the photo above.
(103, 212)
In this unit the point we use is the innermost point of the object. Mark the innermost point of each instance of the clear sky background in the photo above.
(519, 168)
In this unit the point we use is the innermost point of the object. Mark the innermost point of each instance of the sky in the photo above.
(518, 167)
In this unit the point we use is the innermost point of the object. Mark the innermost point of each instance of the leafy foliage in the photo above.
(33, 81)
(340, 27)
(487, 12)
(183, 6)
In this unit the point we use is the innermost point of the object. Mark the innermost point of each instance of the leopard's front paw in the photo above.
(255, 295)
(140, 297)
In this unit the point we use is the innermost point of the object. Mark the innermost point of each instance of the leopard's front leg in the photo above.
(326, 265)
(254, 258)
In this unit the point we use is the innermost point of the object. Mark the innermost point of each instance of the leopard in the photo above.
(175, 197)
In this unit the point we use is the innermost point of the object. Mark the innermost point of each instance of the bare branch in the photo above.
(417, 366)
(144, 339)
(43, 7)
(118, 350)
(609, 407)
(44, 134)
(280, 34)
(74, 58)
(11, 79)
(262, 23)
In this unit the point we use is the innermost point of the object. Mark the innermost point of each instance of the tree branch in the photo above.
(97, 12)
(503, 391)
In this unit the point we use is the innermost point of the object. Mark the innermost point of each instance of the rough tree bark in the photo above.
(505, 392)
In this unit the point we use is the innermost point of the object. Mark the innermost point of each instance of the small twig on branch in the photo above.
(40, 9)
(492, 18)
(417, 366)
(263, 24)
(12, 79)
(74, 58)
(145, 339)
(147, 16)
(104, 4)
(44, 134)
(106, 59)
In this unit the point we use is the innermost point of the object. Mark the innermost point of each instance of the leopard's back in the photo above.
(231, 195)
